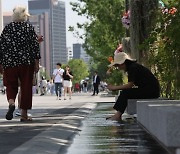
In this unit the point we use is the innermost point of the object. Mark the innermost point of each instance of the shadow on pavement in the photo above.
(65, 123)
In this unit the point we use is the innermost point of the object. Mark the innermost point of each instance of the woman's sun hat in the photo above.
(20, 13)
(120, 57)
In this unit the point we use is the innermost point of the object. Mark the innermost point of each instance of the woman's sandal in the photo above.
(9, 114)
(26, 119)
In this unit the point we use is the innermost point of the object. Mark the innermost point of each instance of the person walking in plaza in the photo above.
(34, 83)
(58, 79)
(43, 86)
(96, 82)
(19, 56)
(52, 87)
(67, 76)
(142, 84)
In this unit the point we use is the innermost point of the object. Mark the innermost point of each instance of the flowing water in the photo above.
(101, 136)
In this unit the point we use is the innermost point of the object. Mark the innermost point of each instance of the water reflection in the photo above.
(101, 136)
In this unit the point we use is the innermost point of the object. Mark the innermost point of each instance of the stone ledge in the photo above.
(132, 104)
(161, 119)
(164, 123)
(143, 109)
(178, 151)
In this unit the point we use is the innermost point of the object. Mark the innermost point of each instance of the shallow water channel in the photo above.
(101, 136)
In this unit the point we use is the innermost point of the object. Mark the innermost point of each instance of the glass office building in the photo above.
(57, 27)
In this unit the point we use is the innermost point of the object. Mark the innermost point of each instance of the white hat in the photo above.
(119, 58)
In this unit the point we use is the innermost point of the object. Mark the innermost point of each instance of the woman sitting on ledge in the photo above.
(142, 84)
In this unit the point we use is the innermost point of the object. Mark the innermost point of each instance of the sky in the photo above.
(8, 5)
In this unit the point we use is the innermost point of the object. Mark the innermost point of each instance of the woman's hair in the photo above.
(20, 14)
(128, 63)
(67, 66)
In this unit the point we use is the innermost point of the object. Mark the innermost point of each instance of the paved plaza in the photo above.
(75, 126)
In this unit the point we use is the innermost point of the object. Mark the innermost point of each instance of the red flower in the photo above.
(172, 10)
(110, 59)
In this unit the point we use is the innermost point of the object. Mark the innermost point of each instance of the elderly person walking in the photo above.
(19, 57)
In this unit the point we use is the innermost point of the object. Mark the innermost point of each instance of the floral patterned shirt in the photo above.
(18, 45)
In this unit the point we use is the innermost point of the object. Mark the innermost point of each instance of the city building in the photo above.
(80, 53)
(7, 18)
(40, 22)
(70, 53)
(85, 56)
(77, 49)
(55, 29)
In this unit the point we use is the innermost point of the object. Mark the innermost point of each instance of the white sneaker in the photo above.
(29, 115)
(18, 112)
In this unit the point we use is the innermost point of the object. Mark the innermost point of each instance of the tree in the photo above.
(163, 46)
(79, 69)
(104, 30)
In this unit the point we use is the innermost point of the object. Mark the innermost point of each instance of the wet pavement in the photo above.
(101, 136)
(14, 134)
(73, 126)
(54, 125)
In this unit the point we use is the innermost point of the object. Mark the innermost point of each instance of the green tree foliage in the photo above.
(164, 53)
(103, 31)
(79, 70)
(44, 73)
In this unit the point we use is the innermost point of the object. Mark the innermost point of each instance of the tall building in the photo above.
(7, 18)
(77, 49)
(41, 24)
(70, 53)
(80, 53)
(1, 17)
(84, 56)
(57, 27)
